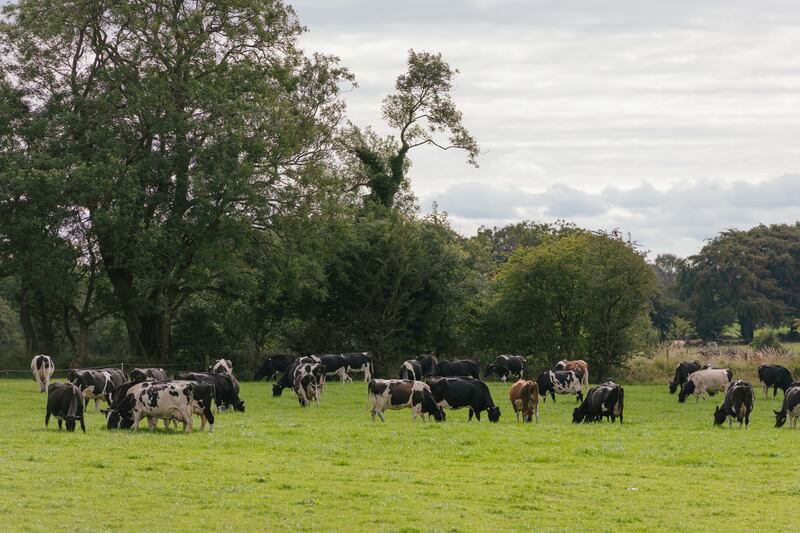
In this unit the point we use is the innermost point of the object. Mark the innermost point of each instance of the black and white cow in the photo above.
(775, 376)
(457, 392)
(165, 400)
(117, 377)
(42, 367)
(411, 369)
(307, 382)
(222, 366)
(458, 368)
(682, 372)
(94, 385)
(561, 382)
(790, 407)
(226, 388)
(427, 363)
(360, 362)
(705, 381)
(506, 365)
(286, 381)
(335, 364)
(65, 402)
(273, 366)
(606, 400)
(738, 404)
(401, 393)
(149, 374)
(202, 398)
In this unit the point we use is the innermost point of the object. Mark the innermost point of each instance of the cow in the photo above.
(524, 396)
(222, 366)
(94, 385)
(790, 407)
(458, 392)
(676, 345)
(579, 366)
(65, 402)
(738, 404)
(154, 400)
(506, 365)
(775, 376)
(411, 369)
(116, 376)
(226, 388)
(42, 367)
(335, 364)
(286, 381)
(709, 380)
(428, 364)
(561, 382)
(605, 400)
(458, 368)
(360, 362)
(401, 393)
(272, 366)
(202, 398)
(682, 372)
(307, 382)
(149, 374)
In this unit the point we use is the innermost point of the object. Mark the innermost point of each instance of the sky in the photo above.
(671, 121)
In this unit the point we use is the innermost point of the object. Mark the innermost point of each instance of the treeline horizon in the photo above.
(181, 183)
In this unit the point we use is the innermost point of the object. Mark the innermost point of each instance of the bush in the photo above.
(767, 338)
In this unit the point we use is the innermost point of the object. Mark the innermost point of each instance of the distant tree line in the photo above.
(179, 182)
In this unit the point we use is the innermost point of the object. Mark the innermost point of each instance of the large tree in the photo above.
(174, 129)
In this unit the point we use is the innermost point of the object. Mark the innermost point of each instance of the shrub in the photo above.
(766, 338)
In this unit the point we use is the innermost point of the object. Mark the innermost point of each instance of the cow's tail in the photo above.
(370, 395)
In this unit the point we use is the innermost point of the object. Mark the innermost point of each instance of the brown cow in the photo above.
(524, 396)
(578, 365)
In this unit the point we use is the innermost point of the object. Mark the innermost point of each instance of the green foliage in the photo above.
(766, 338)
(11, 342)
(681, 329)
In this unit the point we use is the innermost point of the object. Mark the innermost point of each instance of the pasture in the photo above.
(279, 467)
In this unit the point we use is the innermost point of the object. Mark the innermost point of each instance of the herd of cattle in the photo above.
(427, 386)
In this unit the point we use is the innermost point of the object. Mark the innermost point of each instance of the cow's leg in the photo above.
(775, 391)
(97, 405)
(152, 422)
(536, 412)
(46, 418)
(553, 395)
(137, 417)
(579, 396)
(166, 423)
(188, 420)
(765, 388)
(380, 415)
(516, 413)
(414, 412)
(59, 424)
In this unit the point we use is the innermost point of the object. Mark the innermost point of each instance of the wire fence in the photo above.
(62, 372)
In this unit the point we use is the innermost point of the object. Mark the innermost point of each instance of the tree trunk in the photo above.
(31, 346)
(747, 325)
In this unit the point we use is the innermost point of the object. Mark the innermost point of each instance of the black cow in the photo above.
(606, 400)
(458, 368)
(360, 362)
(65, 402)
(560, 381)
(790, 407)
(151, 374)
(335, 364)
(411, 369)
(272, 366)
(93, 384)
(428, 363)
(506, 365)
(738, 404)
(457, 392)
(682, 372)
(226, 388)
(775, 376)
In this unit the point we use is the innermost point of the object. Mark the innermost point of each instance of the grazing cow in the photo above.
(149, 374)
(360, 362)
(775, 376)
(561, 382)
(272, 366)
(154, 400)
(790, 407)
(65, 402)
(226, 388)
(307, 382)
(524, 396)
(411, 369)
(203, 396)
(428, 364)
(335, 364)
(506, 365)
(42, 367)
(682, 372)
(606, 400)
(458, 368)
(222, 366)
(458, 392)
(94, 385)
(286, 381)
(738, 404)
(401, 393)
(709, 380)
(578, 366)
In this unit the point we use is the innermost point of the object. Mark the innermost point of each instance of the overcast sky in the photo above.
(669, 120)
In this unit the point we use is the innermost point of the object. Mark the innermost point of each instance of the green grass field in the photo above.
(280, 467)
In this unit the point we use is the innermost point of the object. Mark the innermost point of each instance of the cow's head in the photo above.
(561, 365)
(494, 413)
(438, 414)
(673, 386)
(277, 390)
(490, 369)
(578, 414)
(780, 418)
(686, 390)
(115, 420)
(238, 405)
(719, 416)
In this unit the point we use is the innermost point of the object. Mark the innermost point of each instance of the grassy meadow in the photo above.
(280, 467)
